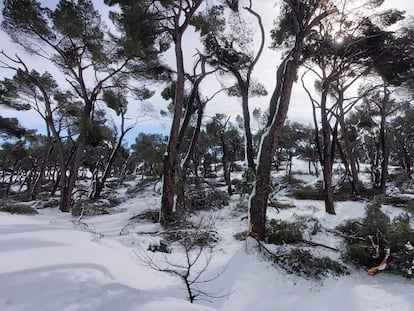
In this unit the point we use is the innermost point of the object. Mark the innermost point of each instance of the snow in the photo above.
(53, 261)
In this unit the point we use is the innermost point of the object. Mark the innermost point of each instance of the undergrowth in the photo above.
(398, 232)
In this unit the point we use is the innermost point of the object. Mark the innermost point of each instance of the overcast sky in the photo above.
(300, 108)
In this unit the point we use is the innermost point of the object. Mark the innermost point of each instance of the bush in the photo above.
(282, 232)
(204, 196)
(149, 214)
(19, 209)
(240, 236)
(358, 254)
(307, 193)
(245, 186)
(88, 208)
(398, 232)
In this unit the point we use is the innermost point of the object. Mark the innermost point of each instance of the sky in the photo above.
(265, 72)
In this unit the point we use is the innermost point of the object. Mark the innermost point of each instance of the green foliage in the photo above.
(245, 186)
(115, 101)
(256, 89)
(148, 150)
(359, 255)
(307, 193)
(282, 232)
(19, 209)
(23, 16)
(10, 127)
(398, 233)
(210, 21)
(144, 34)
(303, 263)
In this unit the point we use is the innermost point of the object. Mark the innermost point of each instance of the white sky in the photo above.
(300, 108)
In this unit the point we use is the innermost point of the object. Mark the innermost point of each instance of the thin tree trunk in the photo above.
(247, 130)
(385, 151)
(226, 169)
(38, 182)
(326, 153)
(100, 182)
(170, 160)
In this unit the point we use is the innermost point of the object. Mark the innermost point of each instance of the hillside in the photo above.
(53, 261)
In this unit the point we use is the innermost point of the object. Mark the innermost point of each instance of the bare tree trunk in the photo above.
(38, 182)
(170, 160)
(190, 153)
(247, 129)
(279, 104)
(100, 182)
(226, 169)
(13, 172)
(385, 151)
(326, 153)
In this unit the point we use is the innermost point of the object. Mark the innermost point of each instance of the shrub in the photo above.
(307, 193)
(19, 209)
(283, 232)
(358, 254)
(245, 186)
(88, 208)
(398, 232)
(240, 236)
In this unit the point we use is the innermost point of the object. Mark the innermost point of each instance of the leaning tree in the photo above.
(297, 21)
(73, 38)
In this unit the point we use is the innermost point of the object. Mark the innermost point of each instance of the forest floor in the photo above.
(53, 261)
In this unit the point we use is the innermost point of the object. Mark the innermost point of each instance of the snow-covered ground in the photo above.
(50, 261)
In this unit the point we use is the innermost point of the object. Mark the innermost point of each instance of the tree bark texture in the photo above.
(270, 140)
(171, 156)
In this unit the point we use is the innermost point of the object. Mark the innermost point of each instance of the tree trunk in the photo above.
(38, 182)
(279, 104)
(326, 153)
(190, 154)
(348, 149)
(247, 130)
(384, 150)
(170, 160)
(226, 169)
(100, 182)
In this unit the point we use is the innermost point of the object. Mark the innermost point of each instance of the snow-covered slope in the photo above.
(51, 261)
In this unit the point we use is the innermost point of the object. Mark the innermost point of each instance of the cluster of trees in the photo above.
(340, 44)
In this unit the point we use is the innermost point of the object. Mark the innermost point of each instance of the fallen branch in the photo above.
(311, 243)
(346, 236)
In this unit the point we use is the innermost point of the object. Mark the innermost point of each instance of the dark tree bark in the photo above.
(270, 140)
(278, 108)
(384, 143)
(100, 182)
(326, 153)
(180, 22)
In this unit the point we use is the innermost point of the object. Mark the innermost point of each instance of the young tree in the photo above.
(148, 151)
(218, 128)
